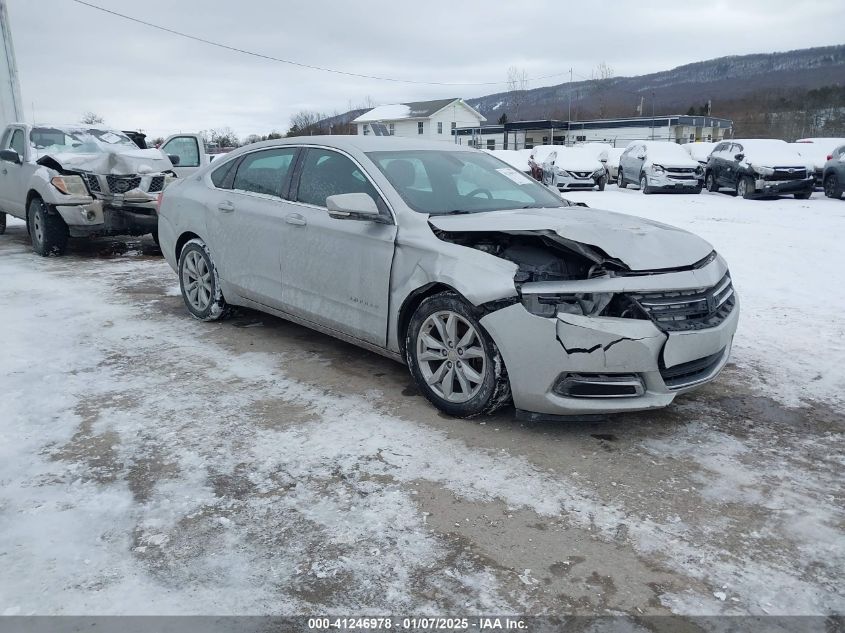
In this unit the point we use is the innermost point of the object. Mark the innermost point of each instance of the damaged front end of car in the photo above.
(590, 334)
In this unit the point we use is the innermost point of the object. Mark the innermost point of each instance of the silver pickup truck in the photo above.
(79, 181)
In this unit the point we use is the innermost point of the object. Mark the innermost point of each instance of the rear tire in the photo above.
(471, 379)
(644, 184)
(745, 187)
(47, 230)
(620, 179)
(832, 187)
(200, 284)
(2, 223)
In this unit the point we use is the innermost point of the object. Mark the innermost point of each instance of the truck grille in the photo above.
(788, 173)
(688, 309)
(93, 183)
(692, 372)
(156, 184)
(122, 184)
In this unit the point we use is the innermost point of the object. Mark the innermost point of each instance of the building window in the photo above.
(709, 138)
(454, 125)
(366, 130)
(420, 127)
(580, 138)
(392, 129)
(440, 127)
(491, 143)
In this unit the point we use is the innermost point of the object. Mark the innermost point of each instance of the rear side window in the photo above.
(326, 173)
(264, 172)
(219, 175)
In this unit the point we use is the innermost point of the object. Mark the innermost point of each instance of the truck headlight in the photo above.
(658, 169)
(70, 185)
(582, 304)
(763, 171)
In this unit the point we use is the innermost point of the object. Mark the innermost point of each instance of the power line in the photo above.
(335, 71)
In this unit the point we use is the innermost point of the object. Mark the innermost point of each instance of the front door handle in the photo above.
(226, 207)
(295, 219)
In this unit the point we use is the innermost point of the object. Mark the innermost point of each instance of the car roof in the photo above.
(362, 143)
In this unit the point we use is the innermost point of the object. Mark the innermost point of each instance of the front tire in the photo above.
(453, 360)
(47, 231)
(620, 179)
(710, 183)
(602, 183)
(745, 187)
(644, 184)
(200, 284)
(832, 187)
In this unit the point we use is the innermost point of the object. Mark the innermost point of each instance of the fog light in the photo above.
(599, 386)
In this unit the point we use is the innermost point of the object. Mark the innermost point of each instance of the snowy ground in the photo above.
(153, 464)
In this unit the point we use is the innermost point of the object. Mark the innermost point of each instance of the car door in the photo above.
(630, 164)
(336, 272)
(730, 165)
(716, 161)
(191, 155)
(246, 222)
(14, 176)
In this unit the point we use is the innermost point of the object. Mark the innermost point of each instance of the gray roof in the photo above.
(421, 109)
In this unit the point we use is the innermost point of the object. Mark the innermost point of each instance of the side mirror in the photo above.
(174, 159)
(10, 155)
(640, 156)
(739, 157)
(352, 206)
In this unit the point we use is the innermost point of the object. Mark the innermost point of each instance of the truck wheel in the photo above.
(620, 179)
(2, 223)
(455, 363)
(200, 284)
(602, 183)
(47, 231)
(644, 184)
(832, 187)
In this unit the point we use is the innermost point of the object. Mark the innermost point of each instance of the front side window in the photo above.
(186, 148)
(420, 127)
(326, 173)
(445, 182)
(264, 171)
(17, 142)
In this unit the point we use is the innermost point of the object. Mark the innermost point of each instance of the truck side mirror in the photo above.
(10, 156)
(174, 159)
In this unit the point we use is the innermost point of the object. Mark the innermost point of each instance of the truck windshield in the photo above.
(441, 182)
(49, 140)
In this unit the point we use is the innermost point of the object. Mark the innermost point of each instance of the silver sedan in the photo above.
(489, 286)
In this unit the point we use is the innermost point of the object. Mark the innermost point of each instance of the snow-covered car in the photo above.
(488, 285)
(759, 168)
(537, 157)
(699, 151)
(79, 181)
(834, 173)
(659, 166)
(816, 151)
(574, 169)
(516, 158)
(612, 164)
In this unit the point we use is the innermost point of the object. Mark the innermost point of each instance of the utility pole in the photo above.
(11, 109)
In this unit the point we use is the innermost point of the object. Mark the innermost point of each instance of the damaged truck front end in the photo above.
(589, 334)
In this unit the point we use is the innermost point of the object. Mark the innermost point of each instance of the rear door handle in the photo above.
(226, 206)
(295, 219)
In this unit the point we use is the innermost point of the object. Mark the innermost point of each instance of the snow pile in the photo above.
(699, 151)
(575, 159)
(385, 113)
(767, 152)
(668, 154)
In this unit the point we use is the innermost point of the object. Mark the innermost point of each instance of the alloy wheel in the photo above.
(451, 357)
(196, 279)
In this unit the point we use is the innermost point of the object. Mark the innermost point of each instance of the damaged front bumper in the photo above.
(574, 180)
(581, 365)
(669, 181)
(763, 187)
(101, 217)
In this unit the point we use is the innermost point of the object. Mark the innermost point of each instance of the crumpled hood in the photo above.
(138, 161)
(641, 244)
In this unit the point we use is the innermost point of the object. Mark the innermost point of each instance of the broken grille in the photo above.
(692, 372)
(93, 183)
(788, 173)
(122, 184)
(156, 184)
(689, 309)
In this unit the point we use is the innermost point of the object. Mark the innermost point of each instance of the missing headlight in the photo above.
(583, 304)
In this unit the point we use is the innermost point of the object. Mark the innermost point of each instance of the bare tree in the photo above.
(90, 118)
(517, 85)
(601, 75)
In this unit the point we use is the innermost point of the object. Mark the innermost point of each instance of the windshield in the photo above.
(52, 140)
(442, 182)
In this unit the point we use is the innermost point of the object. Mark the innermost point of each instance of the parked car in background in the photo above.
(659, 166)
(574, 168)
(79, 181)
(834, 173)
(816, 151)
(612, 164)
(490, 287)
(699, 151)
(516, 158)
(537, 157)
(759, 168)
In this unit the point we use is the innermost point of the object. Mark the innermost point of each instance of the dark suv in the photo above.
(759, 168)
(833, 175)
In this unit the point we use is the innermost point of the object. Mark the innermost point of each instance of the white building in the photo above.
(432, 120)
(617, 132)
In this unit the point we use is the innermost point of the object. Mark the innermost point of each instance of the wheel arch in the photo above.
(184, 238)
(410, 305)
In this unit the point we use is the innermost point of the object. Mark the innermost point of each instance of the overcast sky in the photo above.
(73, 59)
